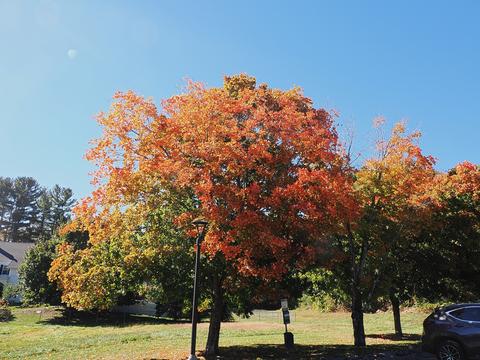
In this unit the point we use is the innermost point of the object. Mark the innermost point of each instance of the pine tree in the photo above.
(29, 212)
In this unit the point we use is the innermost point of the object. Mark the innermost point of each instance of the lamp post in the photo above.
(201, 226)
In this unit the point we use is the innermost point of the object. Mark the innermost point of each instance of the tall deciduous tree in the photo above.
(389, 188)
(263, 166)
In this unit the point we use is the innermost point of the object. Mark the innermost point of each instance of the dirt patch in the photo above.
(44, 312)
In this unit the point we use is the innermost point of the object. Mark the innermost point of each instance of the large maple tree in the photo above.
(262, 165)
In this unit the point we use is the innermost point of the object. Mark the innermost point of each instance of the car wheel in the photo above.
(450, 350)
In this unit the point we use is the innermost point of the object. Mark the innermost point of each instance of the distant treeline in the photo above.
(30, 212)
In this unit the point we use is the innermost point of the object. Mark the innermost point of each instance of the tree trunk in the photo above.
(215, 319)
(396, 313)
(357, 317)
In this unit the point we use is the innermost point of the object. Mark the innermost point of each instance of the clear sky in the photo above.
(61, 61)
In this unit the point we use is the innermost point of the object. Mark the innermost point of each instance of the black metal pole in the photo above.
(195, 300)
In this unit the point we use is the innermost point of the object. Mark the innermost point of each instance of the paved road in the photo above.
(393, 355)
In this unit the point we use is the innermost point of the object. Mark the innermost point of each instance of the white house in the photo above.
(11, 256)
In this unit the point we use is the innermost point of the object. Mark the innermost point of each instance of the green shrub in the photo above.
(5, 314)
(322, 303)
(33, 274)
(322, 291)
(425, 306)
(12, 293)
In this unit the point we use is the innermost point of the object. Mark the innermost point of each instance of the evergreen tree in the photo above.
(24, 211)
(29, 212)
(6, 204)
(61, 204)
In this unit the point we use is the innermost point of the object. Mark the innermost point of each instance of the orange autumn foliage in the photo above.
(398, 179)
(263, 165)
(463, 179)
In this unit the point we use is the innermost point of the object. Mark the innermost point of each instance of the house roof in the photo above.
(13, 253)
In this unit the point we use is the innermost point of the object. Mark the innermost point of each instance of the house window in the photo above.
(4, 270)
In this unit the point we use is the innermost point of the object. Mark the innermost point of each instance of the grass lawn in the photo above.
(50, 336)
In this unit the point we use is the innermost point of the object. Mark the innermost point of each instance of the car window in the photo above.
(467, 314)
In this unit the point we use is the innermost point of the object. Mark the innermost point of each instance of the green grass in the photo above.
(50, 336)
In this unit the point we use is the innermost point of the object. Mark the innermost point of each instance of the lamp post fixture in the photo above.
(201, 226)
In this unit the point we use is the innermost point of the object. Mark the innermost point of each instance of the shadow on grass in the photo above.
(6, 318)
(6, 314)
(394, 337)
(337, 352)
(67, 317)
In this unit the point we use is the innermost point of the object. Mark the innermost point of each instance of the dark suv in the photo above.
(453, 332)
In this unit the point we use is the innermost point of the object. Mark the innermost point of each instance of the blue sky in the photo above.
(61, 61)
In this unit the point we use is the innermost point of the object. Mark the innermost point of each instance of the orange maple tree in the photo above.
(262, 165)
(391, 189)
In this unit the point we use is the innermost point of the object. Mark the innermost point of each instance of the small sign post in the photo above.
(287, 336)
